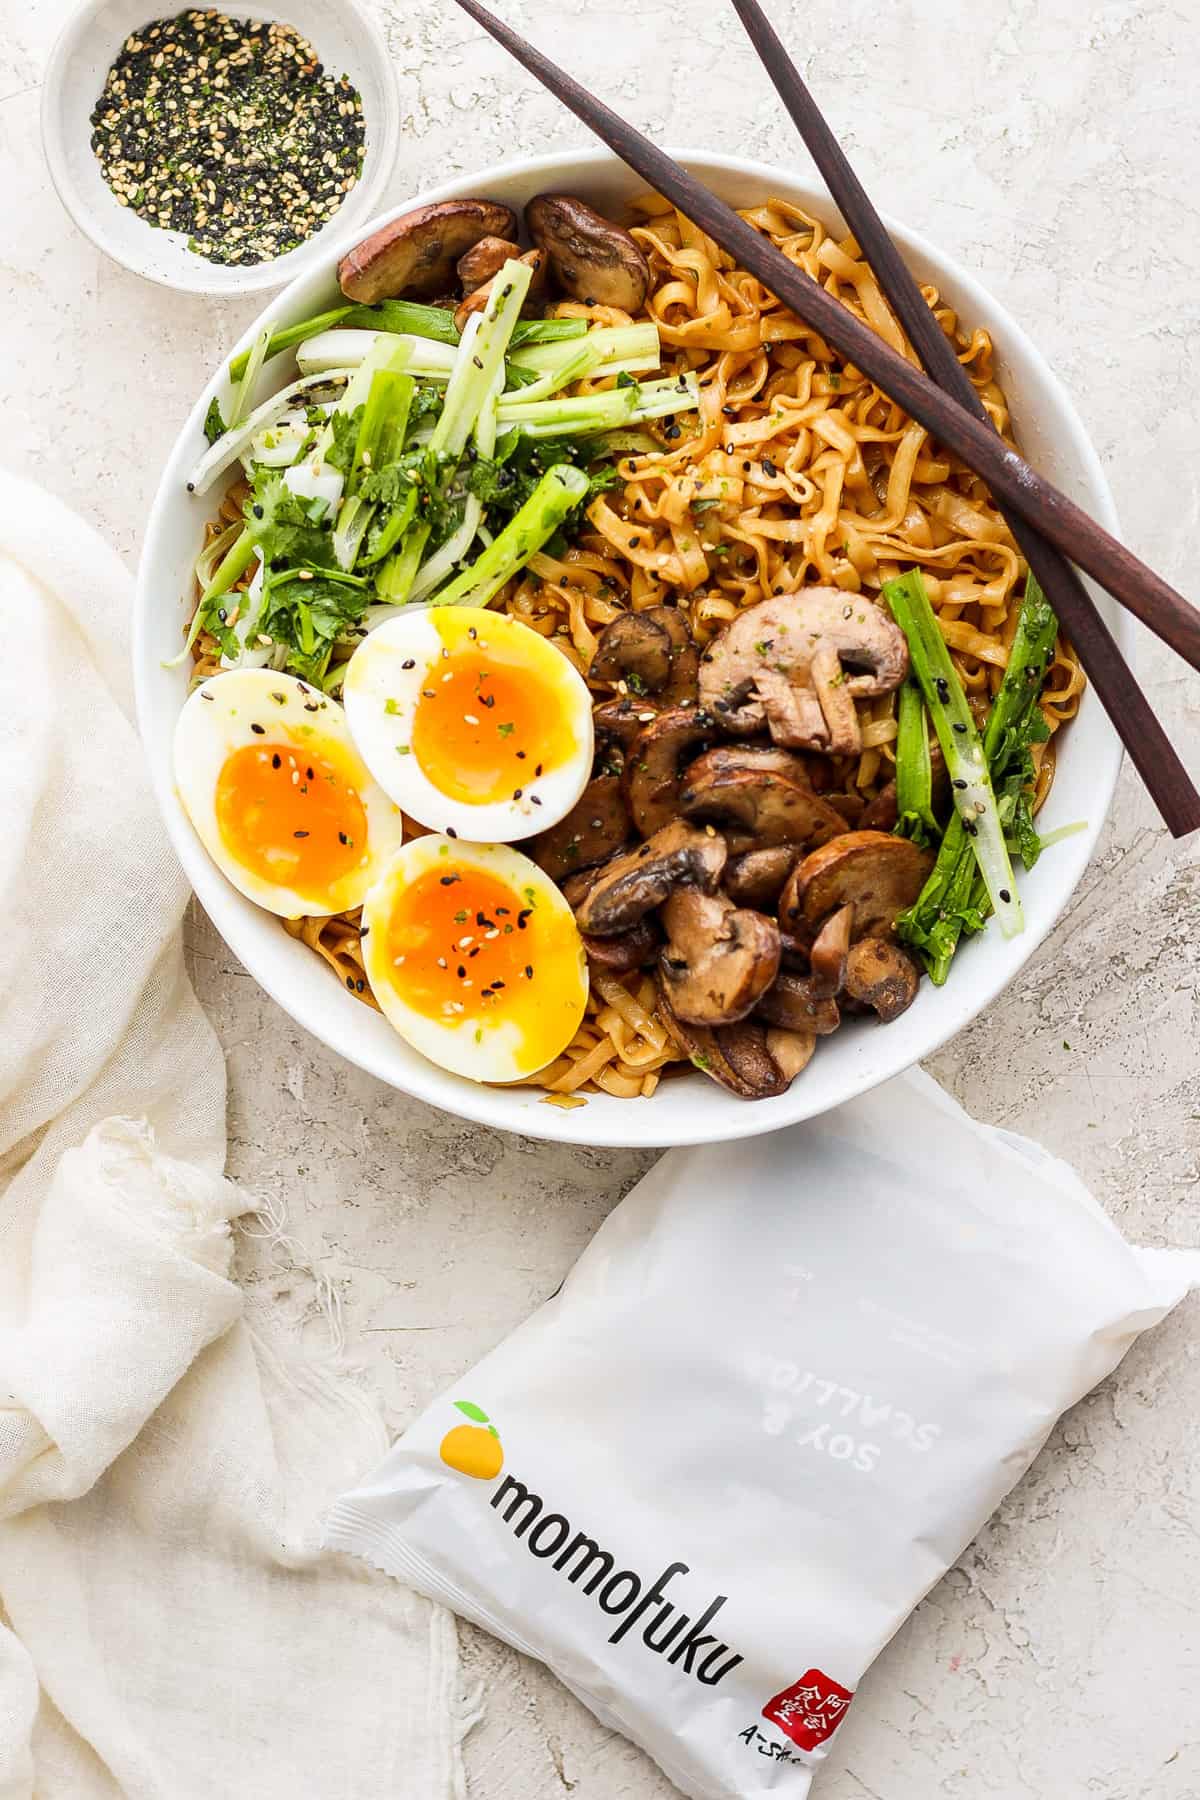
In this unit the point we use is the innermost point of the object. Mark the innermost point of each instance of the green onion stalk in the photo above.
(957, 898)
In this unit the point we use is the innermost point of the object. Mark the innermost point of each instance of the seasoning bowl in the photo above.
(346, 40)
(688, 1108)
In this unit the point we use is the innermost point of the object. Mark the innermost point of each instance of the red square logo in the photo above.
(810, 1710)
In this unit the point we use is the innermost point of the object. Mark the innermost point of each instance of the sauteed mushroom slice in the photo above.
(483, 260)
(735, 1056)
(880, 814)
(617, 724)
(719, 959)
(595, 828)
(756, 877)
(797, 663)
(478, 299)
(791, 1001)
(592, 258)
(632, 949)
(791, 1051)
(416, 255)
(879, 874)
(653, 651)
(827, 958)
(883, 976)
(632, 885)
(757, 807)
(634, 647)
(654, 762)
(766, 758)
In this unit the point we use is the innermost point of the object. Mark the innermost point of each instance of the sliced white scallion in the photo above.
(228, 448)
(427, 359)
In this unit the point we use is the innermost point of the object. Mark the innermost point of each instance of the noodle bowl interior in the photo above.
(793, 473)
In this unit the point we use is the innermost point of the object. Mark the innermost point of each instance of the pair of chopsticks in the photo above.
(1048, 526)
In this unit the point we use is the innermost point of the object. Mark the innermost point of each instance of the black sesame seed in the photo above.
(1005, 895)
(299, 834)
(409, 663)
(960, 728)
(959, 783)
(259, 730)
(277, 761)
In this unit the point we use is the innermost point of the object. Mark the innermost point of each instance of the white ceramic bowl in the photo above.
(346, 40)
(688, 1109)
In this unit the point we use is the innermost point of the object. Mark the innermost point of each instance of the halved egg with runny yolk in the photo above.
(475, 958)
(269, 776)
(474, 723)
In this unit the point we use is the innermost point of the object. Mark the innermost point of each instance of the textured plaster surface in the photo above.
(1052, 147)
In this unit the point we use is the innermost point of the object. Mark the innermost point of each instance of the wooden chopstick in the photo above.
(1145, 594)
(1135, 720)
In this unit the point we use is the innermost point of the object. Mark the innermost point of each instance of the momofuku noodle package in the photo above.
(779, 1393)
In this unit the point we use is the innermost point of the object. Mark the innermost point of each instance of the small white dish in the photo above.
(347, 41)
(689, 1108)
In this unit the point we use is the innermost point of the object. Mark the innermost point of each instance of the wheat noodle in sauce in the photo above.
(798, 471)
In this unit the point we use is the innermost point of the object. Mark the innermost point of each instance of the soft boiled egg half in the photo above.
(471, 721)
(269, 776)
(474, 957)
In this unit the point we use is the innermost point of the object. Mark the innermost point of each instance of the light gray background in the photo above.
(1052, 147)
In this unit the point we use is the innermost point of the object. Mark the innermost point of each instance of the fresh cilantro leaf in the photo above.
(214, 424)
(344, 428)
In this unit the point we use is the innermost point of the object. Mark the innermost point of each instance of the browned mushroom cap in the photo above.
(592, 258)
(827, 958)
(792, 1002)
(634, 884)
(652, 651)
(756, 807)
(719, 959)
(416, 254)
(483, 260)
(764, 757)
(882, 975)
(632, 949)
(476, 301)
(617, 724)
(881, 875)
(781, 662)
(633, 645)
(756, 877)
(736, 1056)
(596, 827)
(654, 762)
(790, 1050)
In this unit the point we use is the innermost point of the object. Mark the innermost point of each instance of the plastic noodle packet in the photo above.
(781, 1390)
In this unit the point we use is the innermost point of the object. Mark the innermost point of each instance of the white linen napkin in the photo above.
(169, 1629)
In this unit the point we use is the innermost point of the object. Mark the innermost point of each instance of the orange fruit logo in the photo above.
(473, 1449)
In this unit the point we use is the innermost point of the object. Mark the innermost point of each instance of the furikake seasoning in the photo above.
(229, 130)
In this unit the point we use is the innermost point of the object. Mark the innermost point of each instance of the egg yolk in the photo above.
(484, 729)
(462, 942)
(290, 817)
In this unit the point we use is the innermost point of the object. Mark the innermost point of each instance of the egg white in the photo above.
(383, 685)
(495, 1043)
(218, 718)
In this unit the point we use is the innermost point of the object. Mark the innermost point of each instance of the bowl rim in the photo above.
(634, 1127)
(253, 278)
